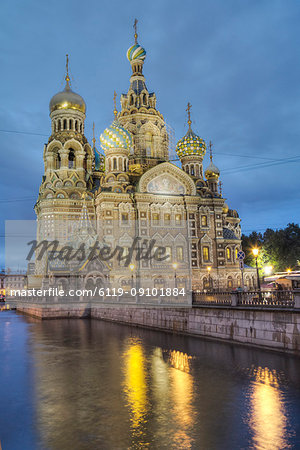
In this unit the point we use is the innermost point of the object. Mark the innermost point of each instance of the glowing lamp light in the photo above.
(268, 270)
(288, 270)
(255, 252)
(131, 267)
(208, 269)
(175, 265)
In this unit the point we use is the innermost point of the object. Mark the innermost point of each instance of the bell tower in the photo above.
(68, 161)
(140, 116)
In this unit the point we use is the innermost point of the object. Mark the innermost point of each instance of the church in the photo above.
(129, 189)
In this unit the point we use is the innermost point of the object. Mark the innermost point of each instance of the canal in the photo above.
(88, 384)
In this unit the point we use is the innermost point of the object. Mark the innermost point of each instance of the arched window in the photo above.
(149, 144)
(71, 159)
(76, 125)
(187, 169)
(229, 282)
(58, 161)
(204, 221)
(115, 164)
(228, 254)
(65, 124)
(192, 170)
(236, 253)
(205, 253)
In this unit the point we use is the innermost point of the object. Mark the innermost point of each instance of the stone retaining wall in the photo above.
(274, 329)
(279, 330)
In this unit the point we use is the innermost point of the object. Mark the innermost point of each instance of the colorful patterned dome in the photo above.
(212, 172)
(116, 136)
(190, 144)
(136, 52)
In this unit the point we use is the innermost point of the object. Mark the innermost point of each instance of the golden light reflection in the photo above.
(268, 418)
(135, 383)
(182, 395)
(180, 361)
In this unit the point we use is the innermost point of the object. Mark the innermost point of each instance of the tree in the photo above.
(279, 248)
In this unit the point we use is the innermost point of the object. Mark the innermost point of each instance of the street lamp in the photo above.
(209, 278)
(255, 252)
(175, 265)
(131, 267)
(288, 270)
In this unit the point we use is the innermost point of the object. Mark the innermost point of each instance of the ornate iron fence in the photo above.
(264, 299)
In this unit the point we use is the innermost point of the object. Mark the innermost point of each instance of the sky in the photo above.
(236, 61)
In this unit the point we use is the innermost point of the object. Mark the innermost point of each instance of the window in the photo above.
(149, 144)
(204, 221)
(167, 219)
(115, 164)
(228, 254)
(124, 218)
(192, 170)
(178, 219)
(71, 159)
(229, 282)
(168, 253)
(179, 254)
(205, 252)
(155, 219)
(58, 161)
(236, 253)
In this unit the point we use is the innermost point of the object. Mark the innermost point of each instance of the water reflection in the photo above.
(268, 417)
(183, 411)
(135, 385)
(95, 384)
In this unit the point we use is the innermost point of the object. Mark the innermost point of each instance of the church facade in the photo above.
(130, 192)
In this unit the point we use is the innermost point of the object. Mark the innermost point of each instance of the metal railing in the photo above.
(263, 299)
(211, 298)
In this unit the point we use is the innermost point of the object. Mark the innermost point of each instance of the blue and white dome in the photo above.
(136, 52)
(115, 136)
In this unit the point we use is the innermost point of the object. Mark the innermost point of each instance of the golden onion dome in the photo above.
(212, 172)
(225, 208)
(67, 99)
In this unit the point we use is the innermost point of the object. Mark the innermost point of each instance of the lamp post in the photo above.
(255, 252)
(175, 265)
(209, 278)
(131, 267)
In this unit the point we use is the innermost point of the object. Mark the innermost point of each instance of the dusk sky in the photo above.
(237, 62)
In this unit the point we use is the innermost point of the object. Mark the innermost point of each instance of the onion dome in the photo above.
(190, 144)
(136, 52)
(212, 172)
(67, 99)
(115, 136)
(225, 208)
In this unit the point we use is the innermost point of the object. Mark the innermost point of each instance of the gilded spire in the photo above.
(115, 105)
(67, 77)
(210, 151)
(135, 30)
(94, 139)
(188, 109)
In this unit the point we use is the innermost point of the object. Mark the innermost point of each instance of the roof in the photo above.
(229, 234)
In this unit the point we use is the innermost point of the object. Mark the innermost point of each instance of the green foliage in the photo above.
(278, 248)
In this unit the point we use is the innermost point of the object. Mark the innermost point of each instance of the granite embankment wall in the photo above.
(273, 329)
(278, 330)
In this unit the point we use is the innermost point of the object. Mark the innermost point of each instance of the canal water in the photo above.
(88, 384)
